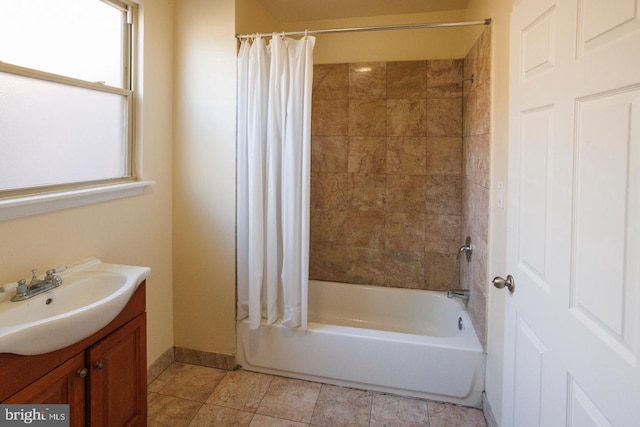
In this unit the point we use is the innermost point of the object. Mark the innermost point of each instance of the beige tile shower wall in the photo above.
(475, 187)
(386, 184)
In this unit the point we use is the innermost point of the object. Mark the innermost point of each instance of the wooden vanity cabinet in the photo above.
(103, 378)
(117, 379)
(65, 384)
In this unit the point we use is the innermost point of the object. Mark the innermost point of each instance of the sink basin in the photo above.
(92, 294)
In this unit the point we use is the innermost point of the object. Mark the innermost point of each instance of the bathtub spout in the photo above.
(458, 293)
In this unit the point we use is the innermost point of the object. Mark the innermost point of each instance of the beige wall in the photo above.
(446, 43)
(135, 230)
(406, 45)
(204, 175)
(251, 17)
(498, 11)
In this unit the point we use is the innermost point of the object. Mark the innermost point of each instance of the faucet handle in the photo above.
(467, 249)
(22, 287)
(58, 269)
(51, 275)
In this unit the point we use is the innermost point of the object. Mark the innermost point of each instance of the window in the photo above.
(66, 95)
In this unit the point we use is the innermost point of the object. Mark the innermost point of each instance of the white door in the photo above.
(572, 335)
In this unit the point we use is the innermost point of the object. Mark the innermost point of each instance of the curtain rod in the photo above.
(374, 28)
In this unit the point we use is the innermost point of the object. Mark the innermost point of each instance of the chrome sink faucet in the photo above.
(35, 283)
(37, 286)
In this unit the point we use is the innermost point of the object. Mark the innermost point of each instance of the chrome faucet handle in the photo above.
(462, 250)
(22, 287)
(467, 249)
(58, 269)
(52, 277)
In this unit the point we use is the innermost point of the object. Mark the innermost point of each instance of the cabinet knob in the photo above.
(82, 372)
(99, 365)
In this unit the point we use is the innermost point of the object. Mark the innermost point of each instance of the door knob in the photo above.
(500, 282)
(99, 365)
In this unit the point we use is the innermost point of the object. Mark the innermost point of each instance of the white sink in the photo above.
(92, 294)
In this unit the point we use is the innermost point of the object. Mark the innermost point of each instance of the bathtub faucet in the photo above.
(458, 293)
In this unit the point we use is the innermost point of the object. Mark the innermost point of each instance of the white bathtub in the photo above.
(399, 341)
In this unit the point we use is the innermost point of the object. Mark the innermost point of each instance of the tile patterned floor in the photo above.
(190, 395)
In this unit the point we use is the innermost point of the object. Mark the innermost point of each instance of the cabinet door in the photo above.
(118, 377)
(63, 385)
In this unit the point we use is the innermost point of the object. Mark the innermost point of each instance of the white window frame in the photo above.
(16, 203)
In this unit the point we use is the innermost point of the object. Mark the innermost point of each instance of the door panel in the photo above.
(529, 368)
(572, 324)
(605, 21)
(538, 45)
(600, 286)
(118, 377)
(536, 142)
(63, 385)
(583, 412)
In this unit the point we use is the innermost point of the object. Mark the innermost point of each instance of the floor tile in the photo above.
(447, 415)
(151, 397)
(264, 421)
(192, 396)
(290, 399)
(163, 379)
(191, 382)
(340, 406)
(218, 416)
(387, 411)
(241, 390)
(170, 411)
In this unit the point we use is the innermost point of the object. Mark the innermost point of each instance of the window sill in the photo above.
(42, 203)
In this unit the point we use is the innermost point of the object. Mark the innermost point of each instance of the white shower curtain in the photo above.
(274, 155)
